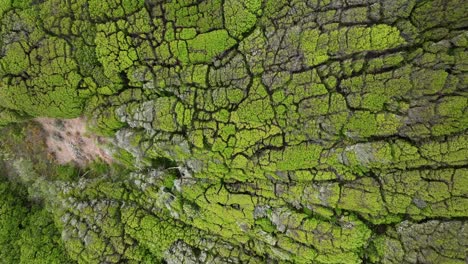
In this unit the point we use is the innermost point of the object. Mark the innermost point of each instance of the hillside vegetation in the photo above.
(242, 131)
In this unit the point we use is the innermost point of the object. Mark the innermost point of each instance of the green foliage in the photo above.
(28, 233)
(314, 46)
(205, 16)
(8, 116)
(41, 241)
(430, 14)
(12, 213)
(42, 77)
(317, 45)
(4, 7)
(248, 131)
(364, 124)
(119, 8)
(240, 16)
(208, 45)
(66, 172)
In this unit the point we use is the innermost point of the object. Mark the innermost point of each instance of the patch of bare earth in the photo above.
(68, 142)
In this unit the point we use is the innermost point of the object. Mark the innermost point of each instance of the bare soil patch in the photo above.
(68, 142)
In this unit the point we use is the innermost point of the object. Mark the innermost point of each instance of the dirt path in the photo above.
(67, 141)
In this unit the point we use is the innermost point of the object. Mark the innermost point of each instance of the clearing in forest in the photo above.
(68, 141)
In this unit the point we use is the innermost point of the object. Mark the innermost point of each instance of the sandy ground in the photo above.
(67, 141)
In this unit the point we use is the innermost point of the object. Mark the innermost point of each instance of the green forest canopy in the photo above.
(249, 131)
